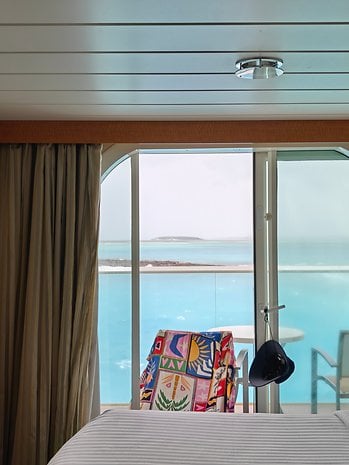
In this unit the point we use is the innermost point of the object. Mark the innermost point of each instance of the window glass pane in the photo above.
(114, 320)
(313, 248)
(196, 243)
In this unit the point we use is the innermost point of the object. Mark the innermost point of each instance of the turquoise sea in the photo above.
(316, 302)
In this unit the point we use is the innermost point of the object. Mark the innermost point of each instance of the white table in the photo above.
(245, 333)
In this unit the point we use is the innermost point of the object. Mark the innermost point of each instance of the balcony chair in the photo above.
(340, 381)
(194, 371)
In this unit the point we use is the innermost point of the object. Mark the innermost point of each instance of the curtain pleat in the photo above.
(49, 217)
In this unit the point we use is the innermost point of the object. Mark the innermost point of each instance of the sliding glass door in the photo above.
(196, 247)
(302, 263)
(313, 270)
(190, 267)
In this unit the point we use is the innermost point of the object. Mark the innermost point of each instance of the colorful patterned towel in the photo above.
(190, 371)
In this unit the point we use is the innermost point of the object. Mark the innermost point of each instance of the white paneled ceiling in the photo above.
(163, 60)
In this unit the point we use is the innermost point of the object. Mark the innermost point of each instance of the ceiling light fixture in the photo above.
(259, 68)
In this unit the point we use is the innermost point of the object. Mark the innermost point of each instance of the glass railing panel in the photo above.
(114, 331)
(169, 301)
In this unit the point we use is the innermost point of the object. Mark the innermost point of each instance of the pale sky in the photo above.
(207, 196)
(210, 196)
(313, 199)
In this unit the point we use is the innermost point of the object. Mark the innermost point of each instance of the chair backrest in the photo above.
(190, 371)
(343, 354)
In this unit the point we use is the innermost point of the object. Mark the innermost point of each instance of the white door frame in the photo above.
(135, 282)
(265, 246)
(266, 280)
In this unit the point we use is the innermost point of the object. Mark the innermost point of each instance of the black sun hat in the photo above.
(270, 364)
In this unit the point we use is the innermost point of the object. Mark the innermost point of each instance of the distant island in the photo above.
(177, 238)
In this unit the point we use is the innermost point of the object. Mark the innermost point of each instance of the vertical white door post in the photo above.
(265, 236)
(135, 282)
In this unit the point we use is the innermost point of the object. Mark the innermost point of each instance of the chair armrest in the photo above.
(240, 358)
(241, 363)
(331, 361)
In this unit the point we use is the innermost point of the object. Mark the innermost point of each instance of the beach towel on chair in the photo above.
(190, 371)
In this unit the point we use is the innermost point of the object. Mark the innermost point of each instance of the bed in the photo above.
(152, 437)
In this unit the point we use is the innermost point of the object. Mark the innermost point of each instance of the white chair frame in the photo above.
(341, 366)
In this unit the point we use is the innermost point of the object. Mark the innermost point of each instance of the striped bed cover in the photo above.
(153, 437)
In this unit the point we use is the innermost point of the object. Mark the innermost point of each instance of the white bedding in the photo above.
(129, 437)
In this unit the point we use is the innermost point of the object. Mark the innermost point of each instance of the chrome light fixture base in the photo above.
(259, 68)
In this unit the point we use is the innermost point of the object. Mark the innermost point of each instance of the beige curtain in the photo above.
(49, 216)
